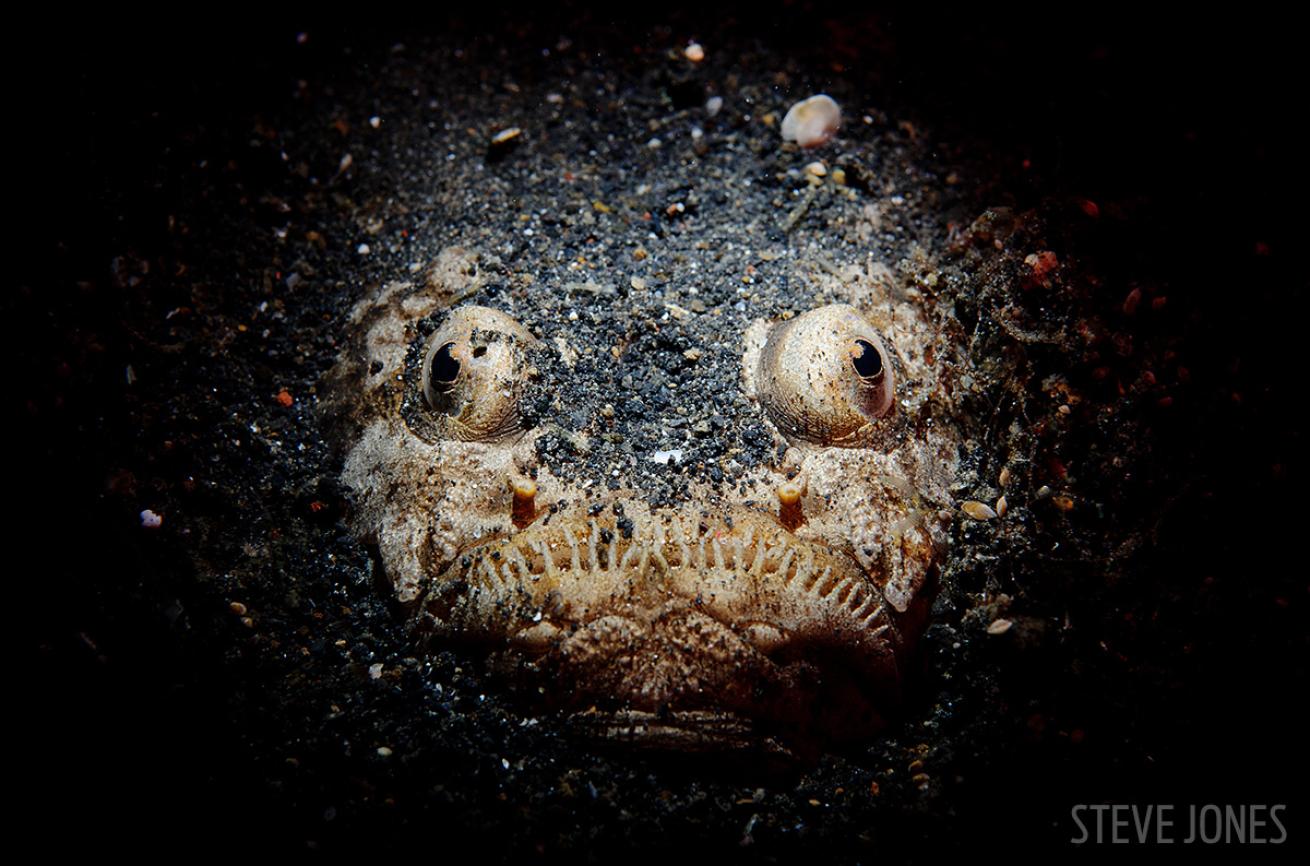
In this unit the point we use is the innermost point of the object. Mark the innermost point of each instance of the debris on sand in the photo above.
(812, 122)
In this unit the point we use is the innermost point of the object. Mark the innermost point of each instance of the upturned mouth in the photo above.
(677, 612)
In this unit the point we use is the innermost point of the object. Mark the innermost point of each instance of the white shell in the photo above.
(812, 122)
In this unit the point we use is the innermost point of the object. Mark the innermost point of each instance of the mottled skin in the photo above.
(790, 607)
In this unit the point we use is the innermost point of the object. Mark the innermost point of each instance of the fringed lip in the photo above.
(674, 612)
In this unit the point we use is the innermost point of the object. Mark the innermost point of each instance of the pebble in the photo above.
(694, 52)
(1130, 303)
(978, 510)
(999, 626)
(812, 122)
(151, 520)
(713, 105)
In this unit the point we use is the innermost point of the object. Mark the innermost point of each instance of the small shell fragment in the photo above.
(1002, 506)
(978, 510)
(812, 122)
(506, 135)
(1004, 479)
(999, 626)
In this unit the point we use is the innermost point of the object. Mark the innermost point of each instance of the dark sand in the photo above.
(195, 209)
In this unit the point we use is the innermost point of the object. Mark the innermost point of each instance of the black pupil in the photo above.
(868, 362)
(444, 367)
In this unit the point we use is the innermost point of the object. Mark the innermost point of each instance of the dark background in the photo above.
(129, 736)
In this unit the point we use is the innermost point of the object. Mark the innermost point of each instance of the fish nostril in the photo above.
(524, 509)
(790, 514)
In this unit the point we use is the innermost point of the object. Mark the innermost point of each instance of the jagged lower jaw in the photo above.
(670, 608)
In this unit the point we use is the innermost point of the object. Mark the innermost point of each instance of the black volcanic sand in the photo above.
(202, 212)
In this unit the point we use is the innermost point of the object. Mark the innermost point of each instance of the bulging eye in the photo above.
(473, 374)
(825, 377)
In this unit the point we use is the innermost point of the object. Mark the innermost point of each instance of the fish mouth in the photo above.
(685, 616)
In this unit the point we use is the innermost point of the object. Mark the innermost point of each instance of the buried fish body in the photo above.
(784, 597)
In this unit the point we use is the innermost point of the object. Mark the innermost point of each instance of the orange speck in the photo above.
(1130, 303)
(284, 397)
(316, 506)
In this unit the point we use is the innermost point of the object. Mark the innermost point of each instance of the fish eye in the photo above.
(473, 374)
(824, 377)
(444, 369)
(867, 359)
